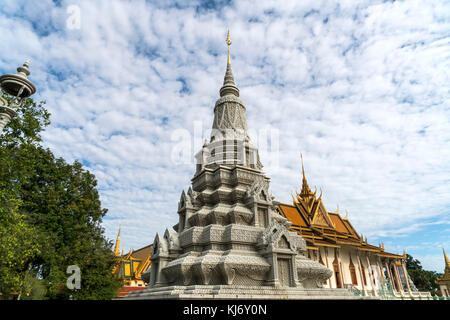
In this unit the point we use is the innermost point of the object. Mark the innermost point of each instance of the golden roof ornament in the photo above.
(447, 262)
(295, 200)
(117, 245)
(306, 191)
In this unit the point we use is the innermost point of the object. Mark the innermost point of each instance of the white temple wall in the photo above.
(345, 263)
(344, 259)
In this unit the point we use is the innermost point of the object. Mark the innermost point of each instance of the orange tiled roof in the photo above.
(350, 228)
(340, 226)
(342, 233)
(293, 215)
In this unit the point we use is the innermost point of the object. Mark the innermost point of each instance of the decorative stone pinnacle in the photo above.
(229, 87)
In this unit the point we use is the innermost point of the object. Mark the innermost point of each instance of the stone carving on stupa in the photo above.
(230, 242)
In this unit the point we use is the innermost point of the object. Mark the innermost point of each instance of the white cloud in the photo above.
(361, 89)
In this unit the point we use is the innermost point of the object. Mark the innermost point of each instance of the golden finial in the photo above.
(447, 261)
(303, 168)
(346, 215)
(295, 200)
(117, 245)
(228, 41)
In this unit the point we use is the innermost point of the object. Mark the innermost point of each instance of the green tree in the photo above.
(60, 202)
(18, 247)
(424, 280)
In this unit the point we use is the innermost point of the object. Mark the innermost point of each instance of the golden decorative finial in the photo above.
(117, 245)
(303, 168)
(447, 261)
(346, 215)
(228, 41)
(306, 191)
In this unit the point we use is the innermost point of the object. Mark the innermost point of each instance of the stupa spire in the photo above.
(228, 44)
(229, 86)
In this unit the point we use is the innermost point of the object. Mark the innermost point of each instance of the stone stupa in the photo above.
(230, 243)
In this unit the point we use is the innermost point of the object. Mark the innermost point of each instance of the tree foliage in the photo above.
(424, 280)
(17, 245)
(59, 212)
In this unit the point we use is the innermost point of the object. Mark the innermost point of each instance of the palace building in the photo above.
(444, 280)
(334, 242)
(130, 267)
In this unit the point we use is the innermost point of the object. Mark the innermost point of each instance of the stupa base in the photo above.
(229, 292)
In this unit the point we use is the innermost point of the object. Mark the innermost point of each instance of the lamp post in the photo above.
(19, 87)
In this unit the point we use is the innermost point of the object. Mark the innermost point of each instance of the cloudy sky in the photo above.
(361, 88)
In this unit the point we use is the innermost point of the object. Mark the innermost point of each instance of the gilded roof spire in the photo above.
(306, 191)
(117, 246)
(447, 262)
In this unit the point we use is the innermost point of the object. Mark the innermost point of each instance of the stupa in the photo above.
(230, 243)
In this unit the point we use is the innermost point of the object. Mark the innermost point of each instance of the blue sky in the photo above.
(359, 87)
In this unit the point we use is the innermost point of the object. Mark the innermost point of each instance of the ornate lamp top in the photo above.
(23, 70)
(18, 84)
